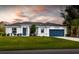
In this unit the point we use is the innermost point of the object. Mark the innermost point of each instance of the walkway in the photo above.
(70, 38)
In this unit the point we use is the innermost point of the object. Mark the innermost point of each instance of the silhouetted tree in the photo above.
(72, 14)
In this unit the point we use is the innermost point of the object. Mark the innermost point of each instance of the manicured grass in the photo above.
(24, 43)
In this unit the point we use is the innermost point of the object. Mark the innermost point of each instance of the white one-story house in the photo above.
(42, 29)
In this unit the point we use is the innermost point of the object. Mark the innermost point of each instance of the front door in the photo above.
(24, 31)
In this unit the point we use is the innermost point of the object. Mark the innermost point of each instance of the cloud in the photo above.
(51, 19)
(31, 13)
(39, 9)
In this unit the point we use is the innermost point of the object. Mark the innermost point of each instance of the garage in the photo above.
(56, 32)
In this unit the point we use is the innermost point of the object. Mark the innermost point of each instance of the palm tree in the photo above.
(75, 27)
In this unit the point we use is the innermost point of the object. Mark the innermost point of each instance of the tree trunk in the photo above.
(68, 30)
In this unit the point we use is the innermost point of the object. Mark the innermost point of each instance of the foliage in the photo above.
(24, 43)
(33, 29)
(73, 12)
(2, 28)
(70, 18)
(75, 27)
(75, 22)
(2, 34)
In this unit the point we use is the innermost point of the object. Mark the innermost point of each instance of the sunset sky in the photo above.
(31, 13)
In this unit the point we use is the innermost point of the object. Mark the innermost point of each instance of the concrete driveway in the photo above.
(70, 38)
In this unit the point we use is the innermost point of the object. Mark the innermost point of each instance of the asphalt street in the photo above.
(49, 51)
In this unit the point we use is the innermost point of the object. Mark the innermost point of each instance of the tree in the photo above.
(2, 28)
(33, 30)
(72, 14)
(75, 27)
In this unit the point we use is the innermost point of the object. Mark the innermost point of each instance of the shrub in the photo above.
(2, 34)
(33, 30)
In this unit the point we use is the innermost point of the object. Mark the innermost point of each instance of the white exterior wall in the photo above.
(19, 30)
(8, 29)
(47, 28)
(45, 31)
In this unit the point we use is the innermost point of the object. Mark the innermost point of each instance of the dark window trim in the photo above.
(14, 30)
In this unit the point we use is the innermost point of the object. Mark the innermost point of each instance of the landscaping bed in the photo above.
(26, 43)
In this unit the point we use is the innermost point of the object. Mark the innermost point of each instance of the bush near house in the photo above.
(2, 34)
(33, 30)
(25, 43)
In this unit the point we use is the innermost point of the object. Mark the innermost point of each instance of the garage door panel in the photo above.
(56, 32)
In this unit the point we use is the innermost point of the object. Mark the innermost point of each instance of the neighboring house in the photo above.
(42, 29)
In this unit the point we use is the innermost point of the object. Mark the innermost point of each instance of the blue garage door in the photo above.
(56, 32)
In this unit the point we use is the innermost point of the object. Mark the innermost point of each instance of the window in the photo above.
(14, 31)
(42, 30)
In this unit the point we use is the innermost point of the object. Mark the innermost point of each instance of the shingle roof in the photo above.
(36, 23)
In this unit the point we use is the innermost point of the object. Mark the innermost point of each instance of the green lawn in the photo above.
(24, 43)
